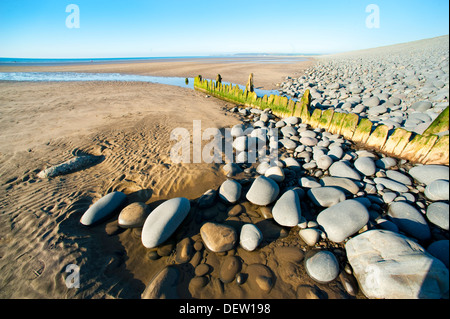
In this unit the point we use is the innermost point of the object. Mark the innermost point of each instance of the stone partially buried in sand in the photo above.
(263, 191)
(217, 237)
(163, 285)
(133, 215)
(322, 266)
(164, 220)
(250, 237)
(102, 208)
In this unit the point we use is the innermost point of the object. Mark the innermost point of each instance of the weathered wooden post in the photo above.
(249, 87)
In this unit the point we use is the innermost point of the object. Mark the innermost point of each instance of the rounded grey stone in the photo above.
(409, 220)
(365, 165)
(326, 196)
(343, 219)
(263, 191)
(438, 214)
(287, 211)
(322, 266)
(103, 208)
(437, 190)
(164, 220)
(230, 191)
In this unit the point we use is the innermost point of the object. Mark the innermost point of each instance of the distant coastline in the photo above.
(244, 57)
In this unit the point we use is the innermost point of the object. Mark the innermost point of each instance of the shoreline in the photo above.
(266, 75)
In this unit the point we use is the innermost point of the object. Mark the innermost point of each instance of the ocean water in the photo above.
(270, 59)
(103, 77)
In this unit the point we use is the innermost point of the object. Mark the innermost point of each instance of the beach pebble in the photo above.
(275, 173)
(343, 220)
(207, 199)
(289, 254)
(324, 162)
(386, 162)
(387, 225)
(231, 169)
(409, 220)
(237, 130)
(310, 236)
(263, 191)
(164, 220)
(217, 237)
(438, 214)
(292, 164)
(322, 266)
(262, 168)
(365, 165)
(341, 169)
(163, 285)
(103, 208)
(287, 211)
(250, 237)
(440, 250)
(421, 106)
(437, 190)
(308, 141)
(326, 196)
(184, 251)
(398, 177)
(230, 267)
(372, 101)
(202, 270)
(341, 183)
(235, 210)
(388, 265)
(240, 144)
(133, 215)
(260, 277)
(230, 191)
(288, 143)
(426, 174)
(389, 197)
(390, 184)
(336, 153)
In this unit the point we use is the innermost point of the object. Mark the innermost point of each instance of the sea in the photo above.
(175, 81)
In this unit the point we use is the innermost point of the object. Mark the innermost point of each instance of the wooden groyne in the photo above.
(426, 148)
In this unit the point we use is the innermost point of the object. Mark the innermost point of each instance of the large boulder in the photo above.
(392, 266)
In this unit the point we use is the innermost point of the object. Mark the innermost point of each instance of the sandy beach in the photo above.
(310, 217)
(128, 124)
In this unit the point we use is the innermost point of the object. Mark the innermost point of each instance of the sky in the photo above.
(147, 28)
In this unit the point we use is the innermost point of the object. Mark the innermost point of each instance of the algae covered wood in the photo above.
(438, 154)
(325, 120)
(336, 123)
(315, 118)
(349, 126)
(362, 131)
(397, 142)
(440, 124)
(419, 147)
(378, 137)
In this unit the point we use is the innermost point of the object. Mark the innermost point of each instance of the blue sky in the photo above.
(143, 28)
